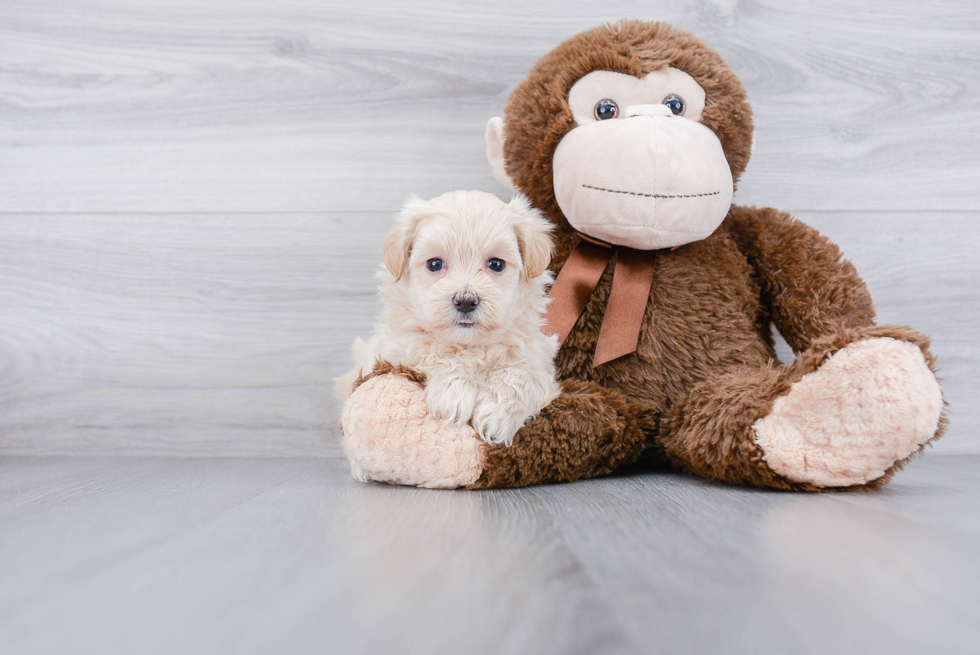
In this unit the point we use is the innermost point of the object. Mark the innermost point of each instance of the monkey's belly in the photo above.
(703, 318)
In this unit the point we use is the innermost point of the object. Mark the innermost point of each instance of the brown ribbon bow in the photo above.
(632, 280)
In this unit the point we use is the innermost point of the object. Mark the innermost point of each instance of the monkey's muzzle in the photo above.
(649, 181)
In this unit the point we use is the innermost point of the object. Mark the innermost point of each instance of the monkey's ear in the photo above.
(495, 151)
(533, 237)
(397, 246)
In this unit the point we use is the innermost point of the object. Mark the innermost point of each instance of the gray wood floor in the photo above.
(267, 555)
(192, 200)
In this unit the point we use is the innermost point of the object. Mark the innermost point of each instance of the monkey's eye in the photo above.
(675, 103)
(496, 265)
(435, 265)
(605, 109)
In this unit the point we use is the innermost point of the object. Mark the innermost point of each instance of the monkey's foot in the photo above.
(869, 405)
(391, 437)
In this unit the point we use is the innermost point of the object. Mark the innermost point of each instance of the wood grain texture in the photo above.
(231, 106)
(163, 334)
(194, 555)
(192, 197)
(220, 334)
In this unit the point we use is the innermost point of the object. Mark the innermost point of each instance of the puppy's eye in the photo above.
(496, 265)
(675, 103)
(435, 265)
(605, 109)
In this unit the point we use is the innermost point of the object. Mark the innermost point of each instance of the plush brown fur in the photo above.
(810, 288)
(609, 432)
(705, 369)
(705, 365)
(537, 114)
(708, 432)
(387, 368)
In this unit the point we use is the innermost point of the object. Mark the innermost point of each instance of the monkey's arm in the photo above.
(810, 289)
(587, 431)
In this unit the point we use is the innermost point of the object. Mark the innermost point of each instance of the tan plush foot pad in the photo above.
(407, 445)
(871, 404)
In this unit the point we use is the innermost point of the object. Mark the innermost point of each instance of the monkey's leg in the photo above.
(847, 414)
(587, 431)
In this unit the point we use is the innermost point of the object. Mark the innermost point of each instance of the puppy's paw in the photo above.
(498, 422)
(452, 399)
(358, 473)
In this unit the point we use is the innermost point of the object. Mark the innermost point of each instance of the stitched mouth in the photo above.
(651, 195)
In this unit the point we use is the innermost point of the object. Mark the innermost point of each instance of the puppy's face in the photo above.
(465, 258)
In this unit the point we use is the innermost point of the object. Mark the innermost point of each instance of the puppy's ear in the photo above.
(397, 246)
(533, 237)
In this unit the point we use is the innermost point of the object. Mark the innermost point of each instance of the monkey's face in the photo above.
(633, 133)
(638, 169)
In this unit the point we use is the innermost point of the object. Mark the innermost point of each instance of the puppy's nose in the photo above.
(465, 302)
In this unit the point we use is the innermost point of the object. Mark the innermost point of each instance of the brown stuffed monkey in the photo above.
(630, 138)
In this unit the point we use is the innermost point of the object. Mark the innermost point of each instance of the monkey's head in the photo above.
(635, 133)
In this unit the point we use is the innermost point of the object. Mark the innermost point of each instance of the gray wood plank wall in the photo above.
(192, 195)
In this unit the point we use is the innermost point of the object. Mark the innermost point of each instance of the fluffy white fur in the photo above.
(492, 367)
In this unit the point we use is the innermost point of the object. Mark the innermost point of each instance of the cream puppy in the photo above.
(463, 284)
